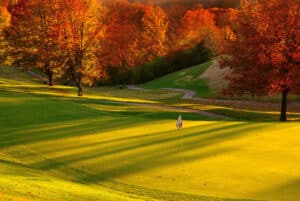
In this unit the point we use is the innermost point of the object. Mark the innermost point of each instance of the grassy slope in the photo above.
(64, 148)
(186, 79)
(207, 81)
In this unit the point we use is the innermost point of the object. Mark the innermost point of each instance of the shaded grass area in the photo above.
(16, 80)
(184, 79)
(19, 183)
(105, 94)
(16, 74)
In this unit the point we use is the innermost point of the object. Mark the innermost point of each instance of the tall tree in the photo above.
(81, 38)
(265, 56)
(175, 14)
(33, 37)
(122, 44)
(155, 26)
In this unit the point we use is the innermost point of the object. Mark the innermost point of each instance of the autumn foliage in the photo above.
(81, 38)
(199, 25)
(265, 54)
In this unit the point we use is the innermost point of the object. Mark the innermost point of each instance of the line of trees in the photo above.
(81, 39)
(160, 66)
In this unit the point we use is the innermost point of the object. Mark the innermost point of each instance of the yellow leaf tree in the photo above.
(81, 38)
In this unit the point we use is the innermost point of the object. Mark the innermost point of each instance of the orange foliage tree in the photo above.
(155, 24)
(265, 57)
(136, 33)
(33, 39)
(122, 44)
(175, 14)
(199, 24)
(4, 17)
(81, 37)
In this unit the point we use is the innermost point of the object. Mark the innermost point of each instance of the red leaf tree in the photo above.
(265, 55)
(33, 38)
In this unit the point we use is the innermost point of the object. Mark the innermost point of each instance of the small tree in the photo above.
(265, 55)
(81, 38)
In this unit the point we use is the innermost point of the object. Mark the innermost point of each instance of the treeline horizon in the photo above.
(192, 3)
(122, 35)
(81, 39)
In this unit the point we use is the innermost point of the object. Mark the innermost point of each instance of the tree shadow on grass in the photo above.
(64, 120)
(70, 129)
(289, 191)
(147, 154)
(168, 154)
(118, 139)
(138, 155)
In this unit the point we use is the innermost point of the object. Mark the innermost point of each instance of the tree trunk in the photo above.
(79, 86)
(50, 76)
(285, 91)
(50, 79)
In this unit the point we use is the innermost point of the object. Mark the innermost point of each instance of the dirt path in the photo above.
(188, 94)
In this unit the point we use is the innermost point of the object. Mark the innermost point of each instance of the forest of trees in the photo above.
(88, 40)
(205, 3)
(81, 39)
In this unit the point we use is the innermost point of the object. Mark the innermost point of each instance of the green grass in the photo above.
(184, 79)
(239, 112)
(59, 147)
(15, 74)
(55, 146)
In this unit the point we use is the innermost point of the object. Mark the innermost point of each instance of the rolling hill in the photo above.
(206, 80)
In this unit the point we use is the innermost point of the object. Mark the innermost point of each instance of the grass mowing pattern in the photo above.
(60, 147)
(184, 79)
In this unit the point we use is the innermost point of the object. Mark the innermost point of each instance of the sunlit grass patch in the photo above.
(185, 79)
